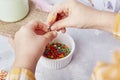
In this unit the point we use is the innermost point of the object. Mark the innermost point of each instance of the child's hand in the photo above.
(71, 13)
(29, 44)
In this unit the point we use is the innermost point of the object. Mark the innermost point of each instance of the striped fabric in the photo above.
(116, 30)
(20, 74)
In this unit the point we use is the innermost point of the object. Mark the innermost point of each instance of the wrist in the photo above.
(25, 62)
(89, 17)
(92, 19)
(104, 21)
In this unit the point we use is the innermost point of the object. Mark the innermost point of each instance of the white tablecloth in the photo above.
(91, 46)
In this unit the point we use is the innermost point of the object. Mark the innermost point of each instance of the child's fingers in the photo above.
(11, 41)
(34, 24)
(50, 36)
(31, 25)
(63, 30)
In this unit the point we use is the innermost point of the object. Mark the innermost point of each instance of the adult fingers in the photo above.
(52, 16)
(61, 24)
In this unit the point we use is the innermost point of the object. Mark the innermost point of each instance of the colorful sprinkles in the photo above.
(56, 50)
(3, 74)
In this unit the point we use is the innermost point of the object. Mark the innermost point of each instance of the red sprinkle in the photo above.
(56, 50)
(3, 74)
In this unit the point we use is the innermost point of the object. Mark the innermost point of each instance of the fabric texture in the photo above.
(116, 30)
(106, 5)
(20, 74)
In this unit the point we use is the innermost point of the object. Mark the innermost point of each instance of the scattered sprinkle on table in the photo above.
(3, 74)
(56, 50)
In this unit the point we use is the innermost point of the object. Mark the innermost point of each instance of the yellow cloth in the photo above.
(20, 74)
(116, 30)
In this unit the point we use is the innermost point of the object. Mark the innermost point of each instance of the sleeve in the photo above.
(116, 29)
(20, 74)
(117, 6)
(106, 5)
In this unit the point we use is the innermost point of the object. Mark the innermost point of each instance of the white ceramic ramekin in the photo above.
(60, 63)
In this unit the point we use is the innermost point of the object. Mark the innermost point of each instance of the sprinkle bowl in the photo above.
(56, 64)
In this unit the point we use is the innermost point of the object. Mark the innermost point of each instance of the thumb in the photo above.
(49, 36)
(61, 24)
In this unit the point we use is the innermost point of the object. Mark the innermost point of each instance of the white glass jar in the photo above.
(13, 10)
